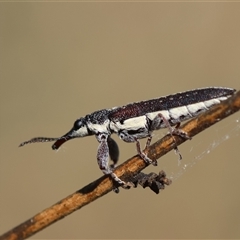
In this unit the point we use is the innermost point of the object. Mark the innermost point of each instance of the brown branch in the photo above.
(125, 171)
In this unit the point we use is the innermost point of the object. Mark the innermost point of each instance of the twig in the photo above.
(125, 171)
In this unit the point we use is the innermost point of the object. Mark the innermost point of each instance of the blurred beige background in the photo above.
(60, 61)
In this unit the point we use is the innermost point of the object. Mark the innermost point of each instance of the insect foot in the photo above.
(143, 155)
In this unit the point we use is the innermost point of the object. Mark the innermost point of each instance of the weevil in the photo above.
(138, 120)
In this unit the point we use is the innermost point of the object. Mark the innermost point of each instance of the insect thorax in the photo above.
(98, 122)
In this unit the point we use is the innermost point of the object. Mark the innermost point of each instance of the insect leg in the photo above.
(178, 132)
(172, 131)
(148, 142)
(142, 154)
(127, 137)
(102, 158)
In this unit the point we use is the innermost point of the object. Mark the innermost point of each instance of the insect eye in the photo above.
(78, 124)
